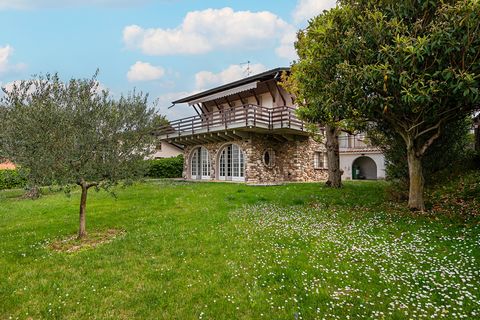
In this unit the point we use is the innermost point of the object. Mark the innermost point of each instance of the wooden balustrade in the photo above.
(245, 116)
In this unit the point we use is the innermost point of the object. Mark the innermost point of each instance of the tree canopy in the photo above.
(315, 81)
(412, 66)
(73, 133)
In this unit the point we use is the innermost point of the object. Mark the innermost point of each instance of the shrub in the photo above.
(166, 168)
(10, 179)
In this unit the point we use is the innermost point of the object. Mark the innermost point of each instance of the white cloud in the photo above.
(287, 48)
(307, 9)
(207, 30)
(164, 102)
(35, 4)
(144, 71)
(207, 79)
(5, 65)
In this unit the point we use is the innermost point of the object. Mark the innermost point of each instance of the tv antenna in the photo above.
(248, 70)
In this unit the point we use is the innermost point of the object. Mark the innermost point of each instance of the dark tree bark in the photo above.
(32, 193)
(82, 232)
(333, 157)
(415, 169)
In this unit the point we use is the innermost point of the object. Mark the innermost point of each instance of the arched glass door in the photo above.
(232, 164)
(200, 164)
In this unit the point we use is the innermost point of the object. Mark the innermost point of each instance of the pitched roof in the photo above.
(267, 75)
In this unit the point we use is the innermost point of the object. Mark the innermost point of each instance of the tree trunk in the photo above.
(415, 171)
(333, 158)
(82, 232)
(32, 193)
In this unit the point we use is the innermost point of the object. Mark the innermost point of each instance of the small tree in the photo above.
(315, 81)
(71, 133)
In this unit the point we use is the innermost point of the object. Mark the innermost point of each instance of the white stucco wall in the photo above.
(347, 159)
(168, 151)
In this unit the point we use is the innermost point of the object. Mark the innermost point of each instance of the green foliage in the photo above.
(448, 151)
(456, 193)
(303, 248)
(11, 179)
(414, 65)
(314, 78)
(411, 66)
(165, 168)
(69, 133)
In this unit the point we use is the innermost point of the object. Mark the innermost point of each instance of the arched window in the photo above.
(231, 164)
(200, 164)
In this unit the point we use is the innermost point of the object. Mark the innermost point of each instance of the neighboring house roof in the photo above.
(7, 165)
(267, 75)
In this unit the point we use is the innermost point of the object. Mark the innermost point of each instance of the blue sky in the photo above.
(168, 48)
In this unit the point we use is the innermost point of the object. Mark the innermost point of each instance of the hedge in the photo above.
(11, 179)
(166, 168)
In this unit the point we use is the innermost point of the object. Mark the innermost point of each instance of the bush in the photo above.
(166, 168)
(11, 179)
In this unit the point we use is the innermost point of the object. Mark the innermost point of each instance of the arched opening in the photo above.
(231, 164)
(364, 168)
(200, 164)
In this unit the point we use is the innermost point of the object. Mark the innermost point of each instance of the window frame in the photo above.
(320, 160)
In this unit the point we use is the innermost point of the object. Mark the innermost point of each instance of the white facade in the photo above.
(370, 165)
(166, 150)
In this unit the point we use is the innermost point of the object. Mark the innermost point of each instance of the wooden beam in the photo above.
(278, 138)
(231, 136)
(201, 109)
(222, 137)
(228, 102)
(205, 106)
(244, 135)
(280, 93)
(218, 107)
(256, 97)
(208, 139)
(288, 137)
(195, 108)
(270, 90)
(215, 137)
(241, 100)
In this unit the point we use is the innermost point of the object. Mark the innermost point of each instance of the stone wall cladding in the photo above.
(294, 160)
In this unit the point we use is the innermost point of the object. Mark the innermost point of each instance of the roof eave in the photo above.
(234, 84)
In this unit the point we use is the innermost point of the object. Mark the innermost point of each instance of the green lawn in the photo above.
(228, 251)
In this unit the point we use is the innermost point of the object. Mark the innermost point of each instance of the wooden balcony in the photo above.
(233, 123)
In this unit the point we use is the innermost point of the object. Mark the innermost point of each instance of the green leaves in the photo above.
(65, 132)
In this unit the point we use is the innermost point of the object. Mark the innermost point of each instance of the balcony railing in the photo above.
(245, 116)
(354, 142)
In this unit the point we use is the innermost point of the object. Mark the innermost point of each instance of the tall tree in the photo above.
(411, 65)
(315, 81)
(416, 68)
(72, 133)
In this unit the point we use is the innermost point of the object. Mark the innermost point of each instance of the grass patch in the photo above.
(228, 251)
(72, 244)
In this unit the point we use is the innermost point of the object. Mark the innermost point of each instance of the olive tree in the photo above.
(65, 134)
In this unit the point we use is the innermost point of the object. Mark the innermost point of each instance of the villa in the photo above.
(248, 131)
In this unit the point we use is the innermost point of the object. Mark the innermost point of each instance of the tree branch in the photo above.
(429, 142)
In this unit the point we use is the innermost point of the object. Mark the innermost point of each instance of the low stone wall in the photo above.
(293, 160)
